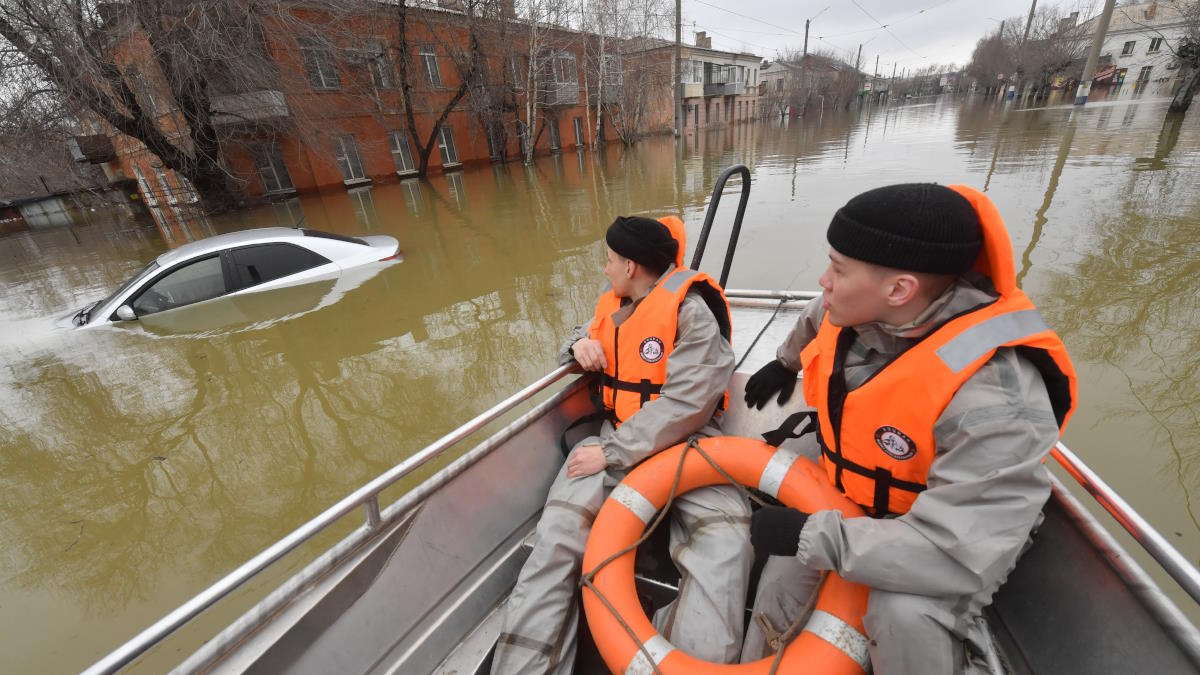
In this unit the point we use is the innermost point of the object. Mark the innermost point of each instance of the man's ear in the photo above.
(902, 288)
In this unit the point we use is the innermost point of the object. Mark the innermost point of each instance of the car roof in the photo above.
(224, 241)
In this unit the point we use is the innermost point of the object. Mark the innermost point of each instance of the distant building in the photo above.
(1137, 51)
(719, 87)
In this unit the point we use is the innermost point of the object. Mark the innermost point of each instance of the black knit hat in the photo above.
(645, 241)
(917, 227)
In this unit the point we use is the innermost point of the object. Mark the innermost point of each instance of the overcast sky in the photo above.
(919, 32)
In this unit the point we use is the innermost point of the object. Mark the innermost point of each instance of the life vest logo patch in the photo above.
(895, 443)
(651, 350)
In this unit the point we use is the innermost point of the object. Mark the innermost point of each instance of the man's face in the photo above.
(619, 271)
(855, 292)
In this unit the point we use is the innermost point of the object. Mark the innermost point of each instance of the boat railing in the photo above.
(366, 497)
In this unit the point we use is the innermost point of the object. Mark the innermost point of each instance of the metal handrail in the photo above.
(711, 213)
(1171, 560)
(367, 496)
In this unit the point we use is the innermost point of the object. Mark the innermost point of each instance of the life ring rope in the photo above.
(651, 651)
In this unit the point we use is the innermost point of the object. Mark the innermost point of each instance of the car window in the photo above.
(254, 265)
(194, 282)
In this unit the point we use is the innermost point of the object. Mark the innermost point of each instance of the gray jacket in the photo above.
(698, 372)
(986, 485)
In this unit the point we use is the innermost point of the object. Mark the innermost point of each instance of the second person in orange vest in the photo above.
(660, 342)
(938, 390)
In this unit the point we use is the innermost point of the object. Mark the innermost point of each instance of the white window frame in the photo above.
(318, 63)
(166, 185)
(610, 70)
(564, 62)
(383, 75)
(1155, 45)
(267, 158)
(448, 149)
(577, 123)
(189, 190)
(402, 153)
(1128, 47)
(348, 160)
(517, 67)
(147, 193)
(429, 61)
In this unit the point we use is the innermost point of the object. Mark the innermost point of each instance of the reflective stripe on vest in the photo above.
(877, 441)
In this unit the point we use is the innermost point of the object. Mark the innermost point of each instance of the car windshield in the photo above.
(145, 272)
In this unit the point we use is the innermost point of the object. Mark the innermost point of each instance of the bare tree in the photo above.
(167, 74)
(468, 62)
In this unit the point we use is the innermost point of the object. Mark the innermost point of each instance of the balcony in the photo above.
(723, 89)
(691, 90)
(562, 93)
(94, 149)
(250, 107)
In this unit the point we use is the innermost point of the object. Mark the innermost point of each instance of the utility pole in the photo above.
(875, 78)
(678, 91)
(892, 84)
(857, 63)
(1089, 69)
(804, 64)
(1021, 46)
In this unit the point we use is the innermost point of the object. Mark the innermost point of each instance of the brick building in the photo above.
(336, 120)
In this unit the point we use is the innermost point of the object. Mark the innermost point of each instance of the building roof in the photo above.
(652, 44)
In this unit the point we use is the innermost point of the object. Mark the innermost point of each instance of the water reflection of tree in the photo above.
(1131, 302)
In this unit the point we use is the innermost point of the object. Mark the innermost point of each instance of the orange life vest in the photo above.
(877, 441)
(638, 349)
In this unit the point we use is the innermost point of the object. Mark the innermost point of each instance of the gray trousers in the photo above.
(907, 634)
(710, 545)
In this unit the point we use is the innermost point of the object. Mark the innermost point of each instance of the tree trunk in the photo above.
(1183, 97)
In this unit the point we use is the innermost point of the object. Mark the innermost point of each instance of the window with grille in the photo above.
(1128, 48)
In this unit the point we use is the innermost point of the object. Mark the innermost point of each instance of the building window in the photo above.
(380, 67)
(685, 71)
(696, 115)
(1155, 45)
(1128, 48)
(147, 193)
(273, 173)
(429, 60)
(1144, 74)
(319, 63)
(189, 190)
(698, 72)
(401, 152)
(578, 132)
(166, 185)
(348, 161)
(555, 135)
(518, 66)
(564, 68)
(446, 145)
(610, 70)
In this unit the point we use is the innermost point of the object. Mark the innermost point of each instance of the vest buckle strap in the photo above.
(881, 477)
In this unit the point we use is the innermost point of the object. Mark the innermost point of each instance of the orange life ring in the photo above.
(834, 639)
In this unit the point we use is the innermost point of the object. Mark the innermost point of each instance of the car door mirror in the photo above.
(125, 313)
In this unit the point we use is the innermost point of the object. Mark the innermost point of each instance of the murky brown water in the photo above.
(140, 463)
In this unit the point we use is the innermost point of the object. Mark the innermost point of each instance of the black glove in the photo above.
(771, 378)
(775, 530)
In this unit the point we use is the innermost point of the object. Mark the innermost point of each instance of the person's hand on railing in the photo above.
(589, 354)
(771, 378)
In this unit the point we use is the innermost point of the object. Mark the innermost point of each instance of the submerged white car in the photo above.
(235, 263)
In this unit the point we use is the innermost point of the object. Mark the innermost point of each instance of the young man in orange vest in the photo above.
(938, 390)
(660, 343)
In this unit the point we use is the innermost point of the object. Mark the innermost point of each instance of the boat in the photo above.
(419, 585)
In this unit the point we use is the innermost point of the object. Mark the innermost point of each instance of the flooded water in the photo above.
(140, 463)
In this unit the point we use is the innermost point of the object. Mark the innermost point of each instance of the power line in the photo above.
(885, 28)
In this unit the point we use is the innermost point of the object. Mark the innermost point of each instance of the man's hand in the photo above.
(775, 530)
(585, 461)
(771, 378)
(590, 354)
